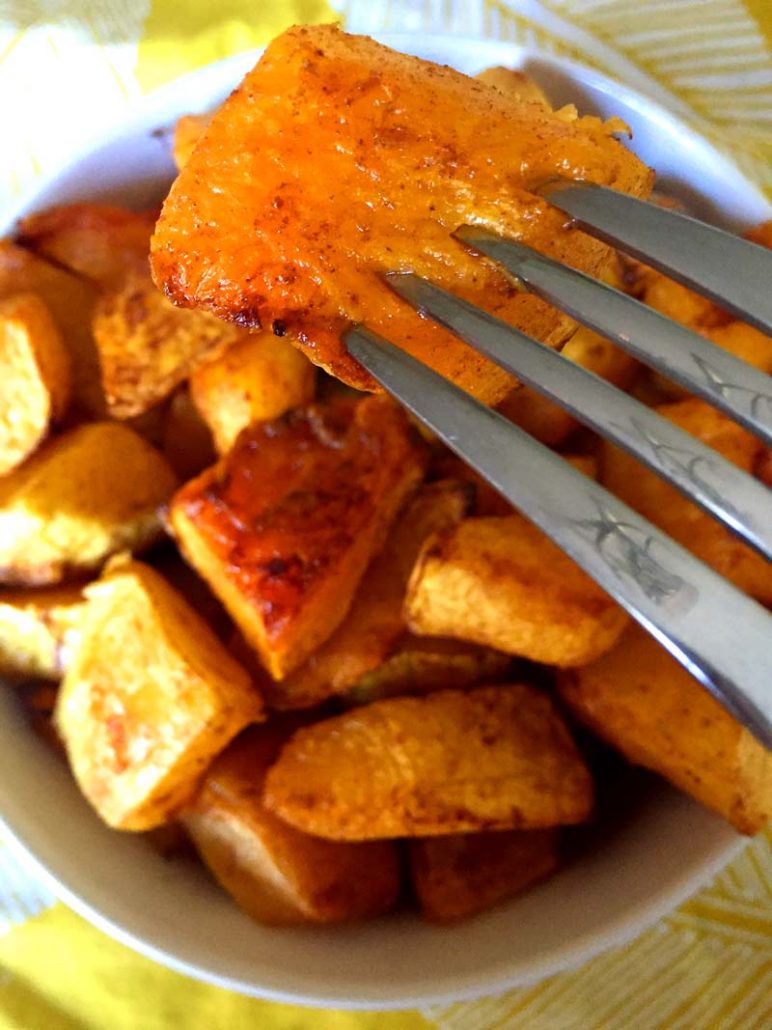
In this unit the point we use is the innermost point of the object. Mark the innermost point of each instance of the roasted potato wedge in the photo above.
(285, 525)
(679, 517)
(99, 242)
(147, 346)
(38, 629)
(333, 201)
(150, 697)
(35, 374)
(501, 582)
(644, 703)
(375, 621)
(461, 875)
(83, 496)
(258, 379)
(420, 665)
(451, 762)
(186, 440)
(276, 873)
(546, 420)
(71, 302)
(515, 85)
(187, 132)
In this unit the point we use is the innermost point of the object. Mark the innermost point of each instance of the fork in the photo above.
(723, 637)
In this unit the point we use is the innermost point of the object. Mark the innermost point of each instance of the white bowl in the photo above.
(658, 849)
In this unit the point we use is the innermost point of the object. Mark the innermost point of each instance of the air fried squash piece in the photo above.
(276, 873)
(337, 159)
(99, 242)
(494, 758)
(257, 379)
(35, 377)
(285, 525)
(151, 696)
(70, 300)
(38, 630)
(463, 874)
(644, 703)
(83, 496)
(501, 582)
(147, 346)
(375, 621)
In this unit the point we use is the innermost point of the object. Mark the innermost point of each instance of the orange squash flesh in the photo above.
(337, 159)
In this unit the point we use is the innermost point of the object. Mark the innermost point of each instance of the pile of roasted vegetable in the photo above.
(359, 648)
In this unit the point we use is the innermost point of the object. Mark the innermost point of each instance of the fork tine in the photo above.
(717, 485)
(719, 634)
(743, 392)
(731, 271)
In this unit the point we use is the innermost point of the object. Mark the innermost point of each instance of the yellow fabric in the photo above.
(709, 964)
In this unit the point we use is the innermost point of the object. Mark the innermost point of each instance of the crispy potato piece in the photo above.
(676, 301)
(38, 629)
(679, 517)
(277, 874)
(644, 703)
(187, 132)
(294, 234)
(71, 302)
(259, 378)
(147, 346)
(420, 665)
(99, 242)
(375, 621)
(35, 375)
(82, 497)
(151, 696)
(546, 420)
(516, 85)
(461, 875)
(285, 525)
(186, 439)
(451, 762)
(501, 582)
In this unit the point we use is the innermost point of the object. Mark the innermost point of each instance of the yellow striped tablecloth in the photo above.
(69, 67)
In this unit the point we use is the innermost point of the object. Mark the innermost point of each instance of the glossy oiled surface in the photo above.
(337, 159)
(284, 526)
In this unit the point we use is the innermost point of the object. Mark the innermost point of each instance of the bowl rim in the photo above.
(157, 108)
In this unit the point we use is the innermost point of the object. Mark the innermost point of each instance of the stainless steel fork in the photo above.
(722, 636)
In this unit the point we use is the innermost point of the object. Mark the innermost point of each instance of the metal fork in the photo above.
(718, 633)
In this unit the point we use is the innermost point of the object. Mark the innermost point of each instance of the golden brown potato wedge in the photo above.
(150, 697)
(677, 516)
(644, 703)
(83, 496)
(451, 762)
(516, 85)
(276, 873)
(297, 234)
(501, 582)
(375, 621)
(463, 874)
(71, 302)
(147, 346)
(285, 525)
(186, 440)
(99, 242)
(420, 665)
(546, 420)
(35, 377)
(259, 378)
(38, 630)
(187, 132)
